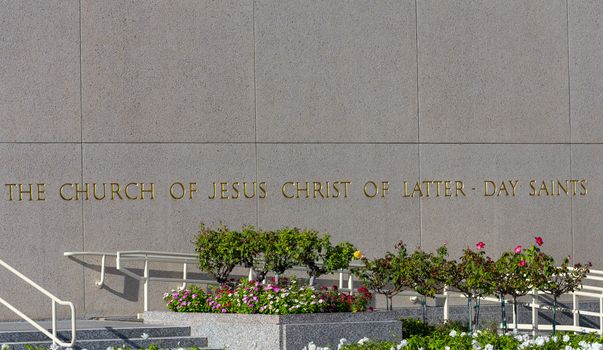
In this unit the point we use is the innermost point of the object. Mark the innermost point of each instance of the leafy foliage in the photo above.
(251, 297)
(457, 340)
(385, 275)
(221, 249)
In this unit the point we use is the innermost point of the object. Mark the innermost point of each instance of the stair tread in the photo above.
(111, 339)
(104, 332)
(102, 344)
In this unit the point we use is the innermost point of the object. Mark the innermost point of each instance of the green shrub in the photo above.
(221, 249)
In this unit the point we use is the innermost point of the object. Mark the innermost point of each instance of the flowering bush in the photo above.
(191, 299)
(385, 275)
(252, 297)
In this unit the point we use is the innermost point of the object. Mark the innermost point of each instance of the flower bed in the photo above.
(477, 341)
(252, 297)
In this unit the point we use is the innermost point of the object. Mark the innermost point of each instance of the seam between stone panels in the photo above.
(418, 118)
(295, 143)
(569, 113)
(82, 157)
(255, 118)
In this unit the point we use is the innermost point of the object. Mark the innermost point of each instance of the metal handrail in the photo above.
(147, 257)
(174, 258)
(55, 301)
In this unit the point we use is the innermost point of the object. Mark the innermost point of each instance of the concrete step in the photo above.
(98, 333)
(138, 343)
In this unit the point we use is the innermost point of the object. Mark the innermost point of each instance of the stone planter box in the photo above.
(287, 332)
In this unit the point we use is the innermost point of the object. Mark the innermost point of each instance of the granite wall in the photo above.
(275, 91)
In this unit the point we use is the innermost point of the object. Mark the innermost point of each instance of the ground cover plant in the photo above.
(454, 336)
(483, 340)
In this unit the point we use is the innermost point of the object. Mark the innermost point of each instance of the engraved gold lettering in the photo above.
(127, 192)
(283, 189)
(85, 191)
(263, 192)
(10, 190)
(317, 189)
(150, 190)
(235, 188)
(176, 190)
(62, 192)
(252, 195)
(345, 188)
(95, 192)
(41, 192)
(192, 188)
(28, 191)
(459, 188)
(370, 189)
(115, 191)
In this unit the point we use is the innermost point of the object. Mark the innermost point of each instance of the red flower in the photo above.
(517, 249)
(522, 263)
(539, 240)
(480, 245)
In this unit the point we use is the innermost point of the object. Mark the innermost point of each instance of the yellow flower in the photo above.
(358, 255)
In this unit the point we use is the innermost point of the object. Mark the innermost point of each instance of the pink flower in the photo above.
(480, 245)
(539, 240)
(522, 263)
(223, 311)
(517, 249)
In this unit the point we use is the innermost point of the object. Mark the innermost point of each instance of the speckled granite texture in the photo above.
(289, 332)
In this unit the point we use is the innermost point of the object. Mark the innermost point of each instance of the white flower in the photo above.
(489, 347)
(402, 344)
(447, 348)
(342, 343)
(452, 333)
(5, 347)
(311, 346)
(566, 338)
(363, 340)
(539, 341)
(144, 336)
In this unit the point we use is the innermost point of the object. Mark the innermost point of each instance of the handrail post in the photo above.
(341, 279)
(575, 310)
(101, 282)
(534, 312)
(601, 315)
(54, 322)
(184, 276)
(146, 284)
(351, 284)
(445, 304)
